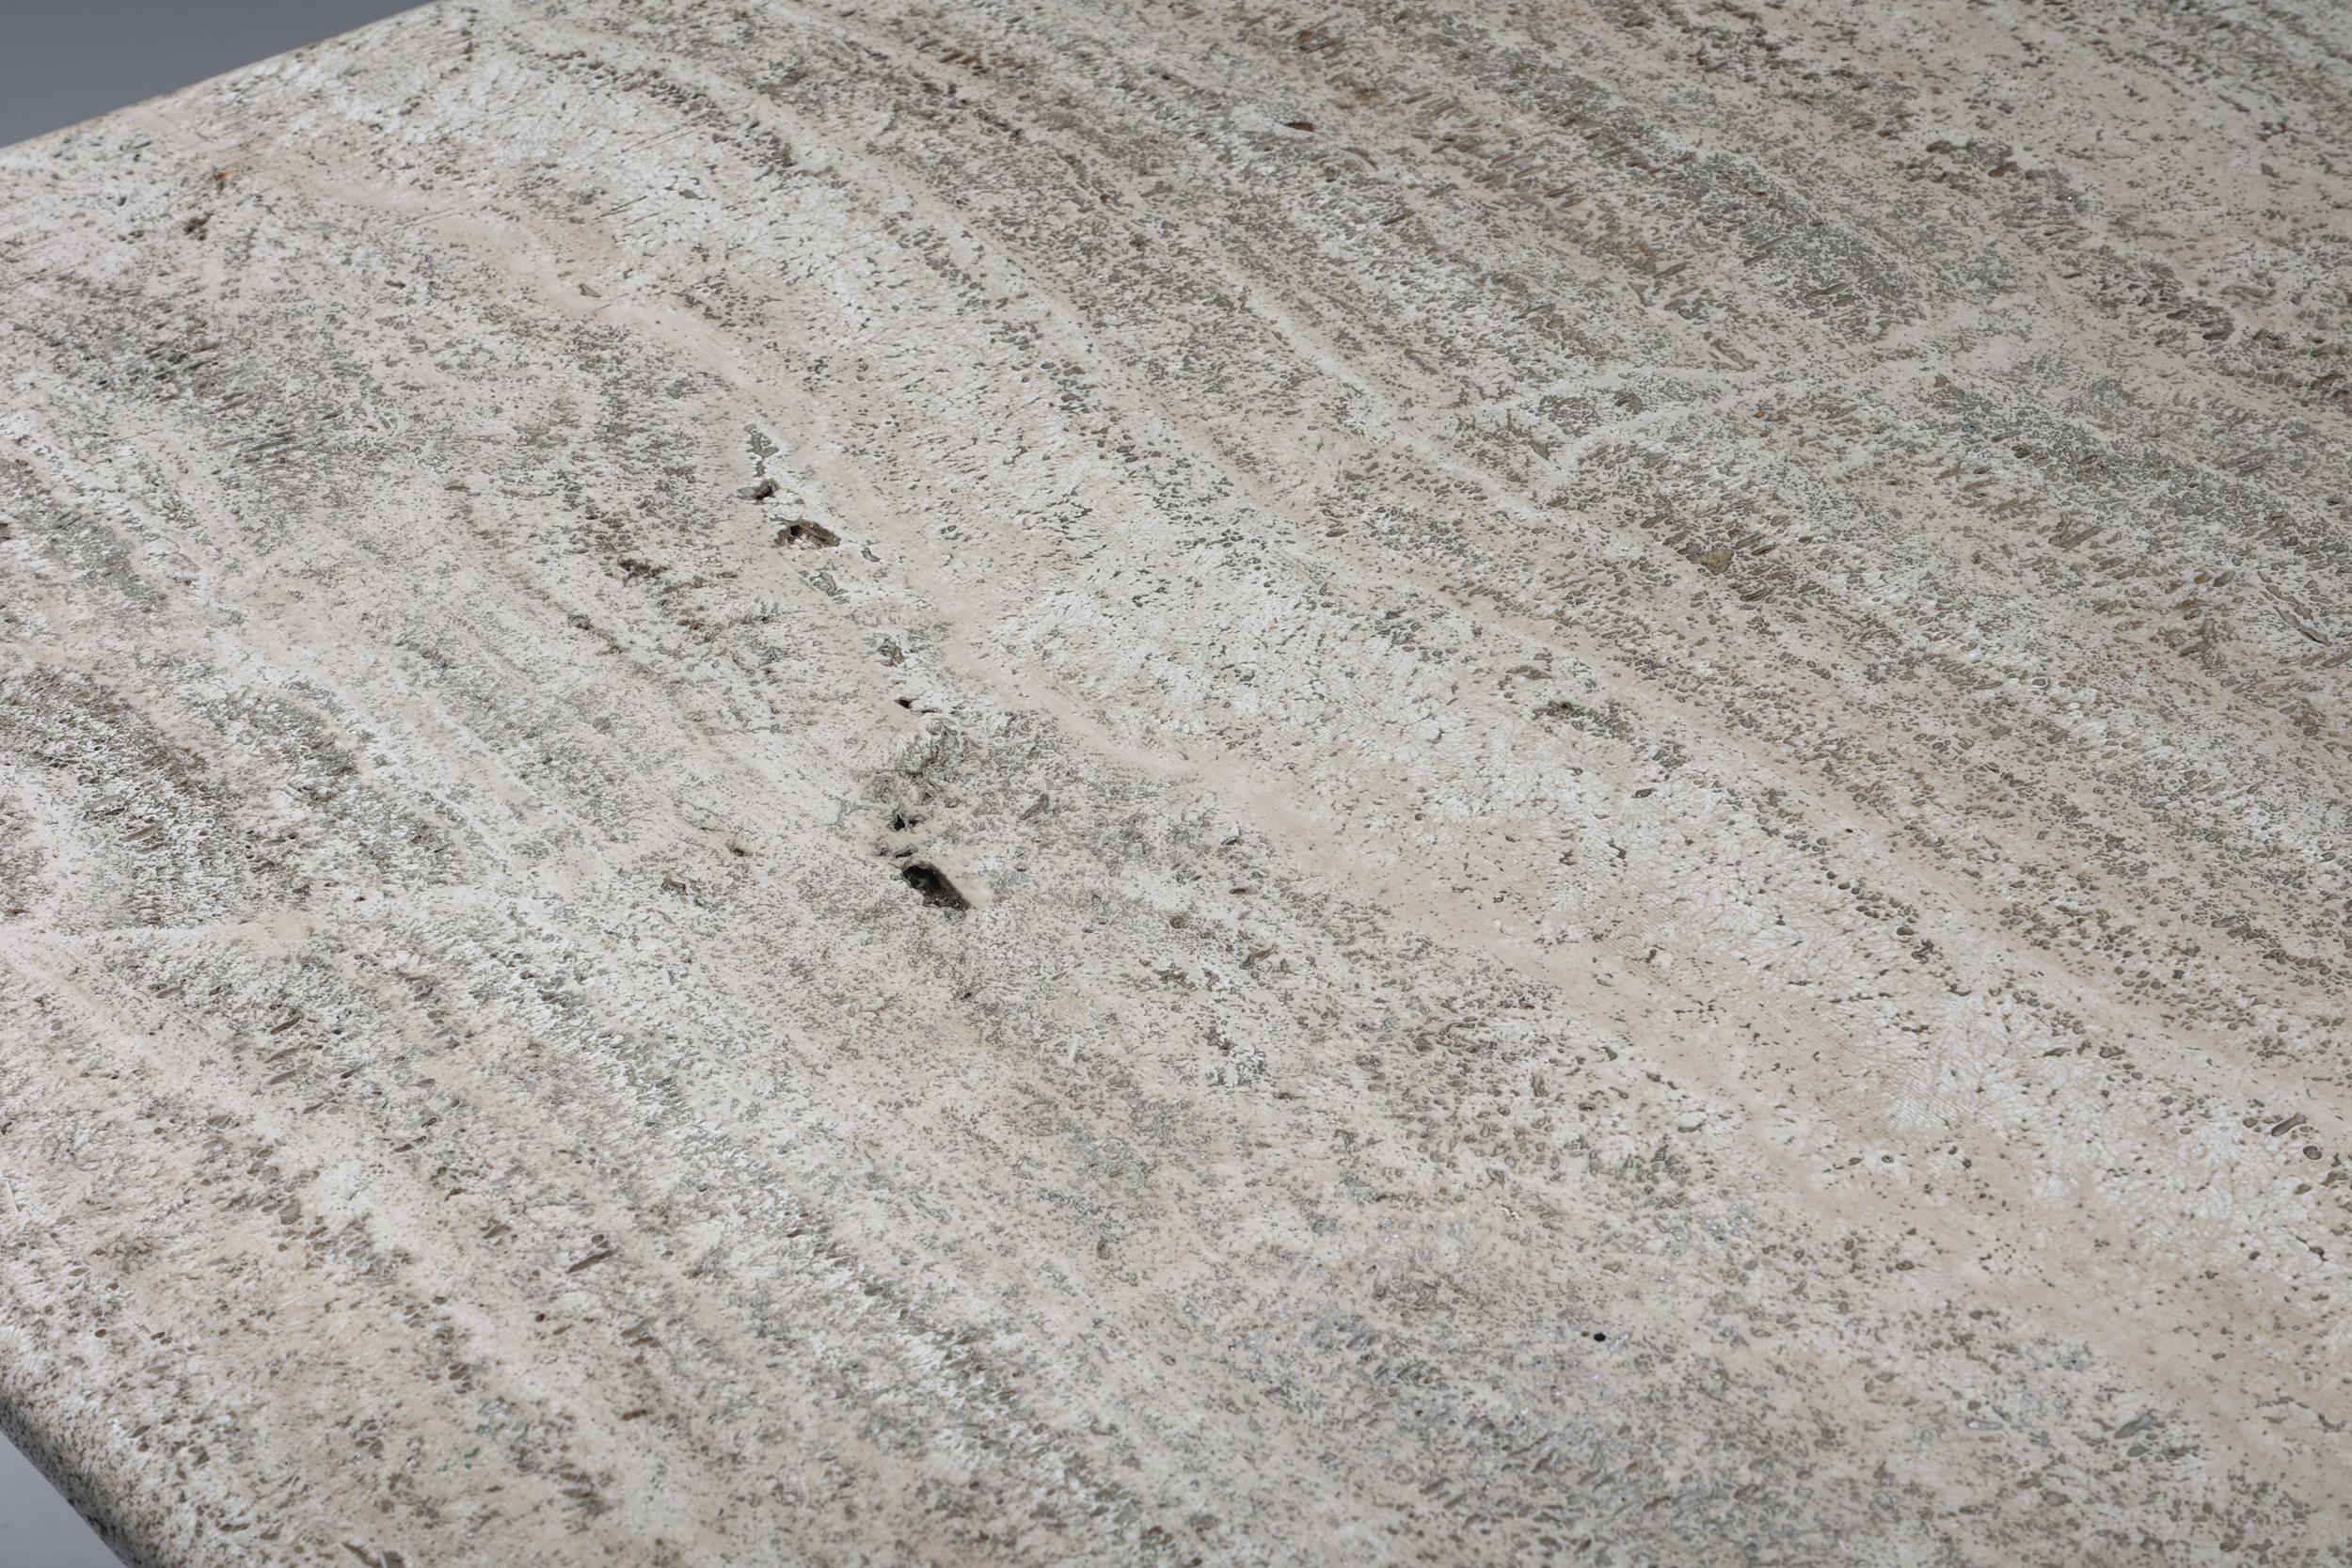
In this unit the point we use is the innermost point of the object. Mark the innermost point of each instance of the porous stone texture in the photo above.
(1074, 783)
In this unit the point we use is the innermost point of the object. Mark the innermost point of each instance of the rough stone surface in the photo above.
(1072, 784)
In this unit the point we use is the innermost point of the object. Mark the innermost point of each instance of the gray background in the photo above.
(61, 62)
(67, 60)
(37, 1529)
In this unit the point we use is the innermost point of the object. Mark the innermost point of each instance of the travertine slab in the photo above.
(1073, 784)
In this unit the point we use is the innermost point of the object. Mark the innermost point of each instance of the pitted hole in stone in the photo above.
(807, 533)
(933, 885)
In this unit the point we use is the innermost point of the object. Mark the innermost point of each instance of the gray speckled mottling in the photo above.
(1074, 783)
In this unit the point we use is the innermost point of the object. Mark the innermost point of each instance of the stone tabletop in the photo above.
(1082, 784)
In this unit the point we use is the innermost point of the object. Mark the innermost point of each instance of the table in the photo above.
(1084, 784)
